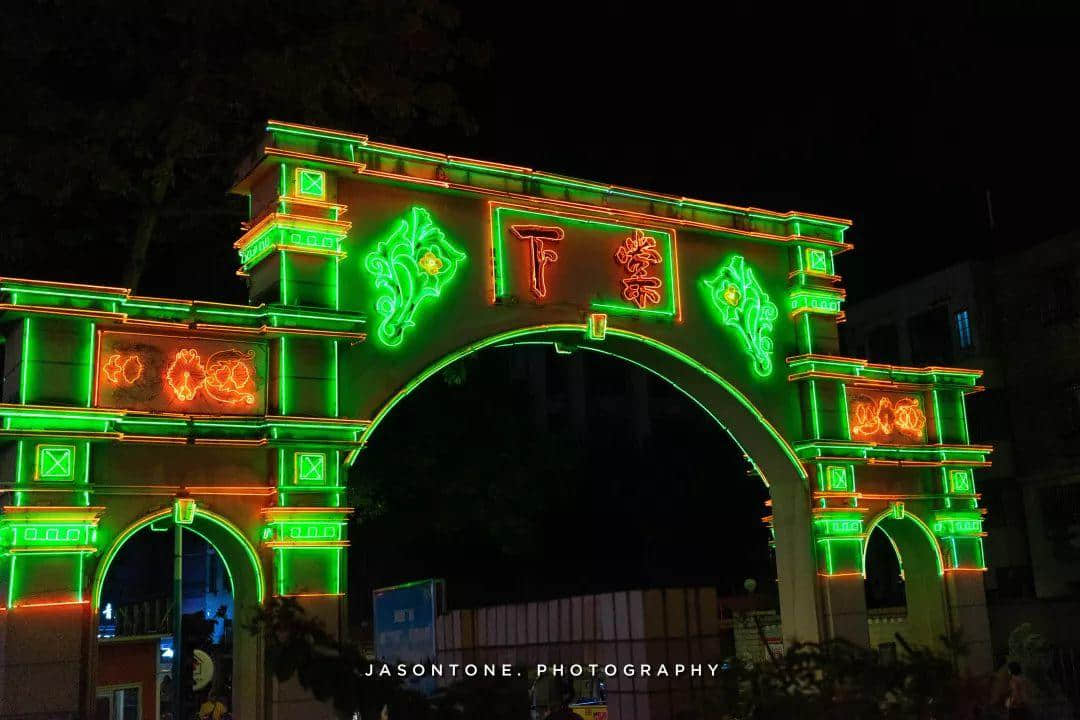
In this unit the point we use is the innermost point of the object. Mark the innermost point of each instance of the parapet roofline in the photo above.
(348, 145)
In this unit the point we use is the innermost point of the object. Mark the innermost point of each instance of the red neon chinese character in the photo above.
(541, 256)
(637, 254)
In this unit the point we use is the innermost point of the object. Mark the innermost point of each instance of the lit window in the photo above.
(963, 329)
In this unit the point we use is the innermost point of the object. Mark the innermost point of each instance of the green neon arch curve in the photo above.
(918, 523)
(508, 338)
(126, 533)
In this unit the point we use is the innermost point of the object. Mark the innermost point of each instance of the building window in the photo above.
(963, 330)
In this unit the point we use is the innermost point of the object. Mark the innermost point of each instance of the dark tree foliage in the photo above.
(837, 679)
(126, 120)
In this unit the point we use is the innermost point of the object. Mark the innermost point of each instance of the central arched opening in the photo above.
(138, 660)
(540, 478)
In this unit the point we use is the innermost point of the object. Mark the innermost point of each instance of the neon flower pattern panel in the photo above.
(594, 263)
(889, 418)
(741, 304)
(410, 268)
(164, 373)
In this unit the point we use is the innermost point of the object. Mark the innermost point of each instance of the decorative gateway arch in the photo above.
(370, 267)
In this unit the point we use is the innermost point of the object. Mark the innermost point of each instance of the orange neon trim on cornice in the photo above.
(289, 511)
(860, 381)
(648, 217)
(812, 357)
(74, 434)
(340, 227)
(324, 159)
(311, 202)
(66, 285)
(442, 157)
(838, 509)
(340, 133)
(225, 442)
(65, 311)
(308, 544)
(52, 549)
(279, 330)
(810, 273)
(51, 604)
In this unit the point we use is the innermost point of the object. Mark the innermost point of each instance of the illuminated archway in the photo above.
(748, 427)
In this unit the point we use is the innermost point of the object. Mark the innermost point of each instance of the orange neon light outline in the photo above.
(122, 369)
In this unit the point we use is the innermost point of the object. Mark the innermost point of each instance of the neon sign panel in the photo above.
(177, 374)
(888, 418)
(593, 262)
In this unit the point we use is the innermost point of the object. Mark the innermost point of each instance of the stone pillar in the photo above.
(967, 616)
(43, 652)
(290, 701)
(844, 608)
(796, 567)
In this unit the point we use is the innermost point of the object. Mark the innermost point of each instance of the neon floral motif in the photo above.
(410, 266)
(540, 255)
(185, 374)
(637, 254)
(883, 417)
(744, 306)
(122, 369)
(230, 377)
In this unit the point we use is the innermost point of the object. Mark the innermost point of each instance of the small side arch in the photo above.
(217, 531)
(245, 571)
(919, 555)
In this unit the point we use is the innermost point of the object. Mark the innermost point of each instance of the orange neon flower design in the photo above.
(230, 377)
(885, 417)
(185, 374)
(122, 369)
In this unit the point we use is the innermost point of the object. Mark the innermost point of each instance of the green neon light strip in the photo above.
(24, 374)
(125, 535)
(578, 330)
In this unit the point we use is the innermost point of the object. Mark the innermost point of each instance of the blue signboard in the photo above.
(405, 625)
